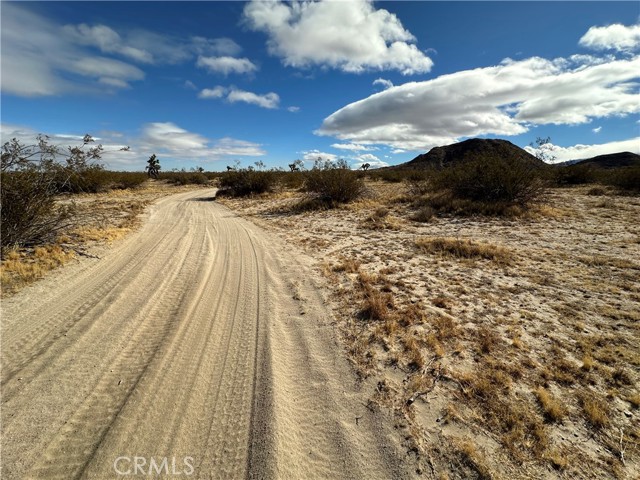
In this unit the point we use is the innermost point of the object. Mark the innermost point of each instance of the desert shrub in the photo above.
(124, 180)
(573, 175)
(626, 178)
(493, 180)
(293, 180)
(185, 178)
(246, 181)
(424, 214)
(32, 177)
(333, 182)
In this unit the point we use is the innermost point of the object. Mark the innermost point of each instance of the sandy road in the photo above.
(199, 336)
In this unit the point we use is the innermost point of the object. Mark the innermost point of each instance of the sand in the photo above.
(200, 339)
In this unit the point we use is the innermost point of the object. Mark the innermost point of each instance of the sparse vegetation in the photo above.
(527, 355)
(333, 182)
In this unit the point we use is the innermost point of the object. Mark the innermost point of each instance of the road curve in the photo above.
(198, 347)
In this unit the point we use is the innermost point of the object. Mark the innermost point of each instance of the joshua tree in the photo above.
(365, 166)
(153, 166)
(296, 166)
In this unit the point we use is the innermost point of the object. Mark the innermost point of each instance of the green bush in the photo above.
(246, 181)
(333, 182)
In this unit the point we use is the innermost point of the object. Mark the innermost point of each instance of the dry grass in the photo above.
(21, 268)
(595, 410)
(474, 458)
(553, 410)
(464, 248)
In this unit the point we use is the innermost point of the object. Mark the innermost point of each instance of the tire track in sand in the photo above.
(187, 340)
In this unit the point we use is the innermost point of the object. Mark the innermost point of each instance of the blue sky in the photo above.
(209, 83)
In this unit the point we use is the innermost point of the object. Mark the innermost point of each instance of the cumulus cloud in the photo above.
(166, 139)
(215, 92)
(372, 160)
(233, 95)
(501, 100)
(382, 82)
(170, 139)
(226, 65)
(617, 37)
(596, 130)
(269, 100)
(579, 152)
(313, 155)
(354, 147)
(352, 36)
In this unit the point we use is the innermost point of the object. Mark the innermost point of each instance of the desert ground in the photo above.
(505, 347)
(199, 338)
(263, 340)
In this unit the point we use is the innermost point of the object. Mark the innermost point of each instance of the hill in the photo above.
(612, 160)
(469, 150)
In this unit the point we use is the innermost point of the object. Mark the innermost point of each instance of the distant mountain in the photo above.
(469, 150)
(612, 160)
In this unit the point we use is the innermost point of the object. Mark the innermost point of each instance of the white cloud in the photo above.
(165, 139)
(617, 37)
(579, 152)
(215, 92)
(226, 65)
(190, 85)
(107, 40)
(234, 95)
(596, 130)
(293, 109)
(384, 83)
(52, 59)
(102, 67)
(349, 35)
(501, 100)
(169, 136)
(372, 160)
(354, 147)
(313, 155)
(268, 100)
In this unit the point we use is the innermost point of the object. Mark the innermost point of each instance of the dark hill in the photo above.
(612, 160)
(470, 150)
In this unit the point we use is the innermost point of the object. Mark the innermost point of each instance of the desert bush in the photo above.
(185, 178)
(246, 181)
(626, 178)
(32, 177)
(333, 182)
(573, 175)
(492, 180)
(294, 180)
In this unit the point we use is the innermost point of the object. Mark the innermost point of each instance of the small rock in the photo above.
(628, 414)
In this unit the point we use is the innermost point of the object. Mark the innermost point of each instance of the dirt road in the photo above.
(196, 347)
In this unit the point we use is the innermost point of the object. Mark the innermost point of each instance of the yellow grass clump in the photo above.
(465, 248)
